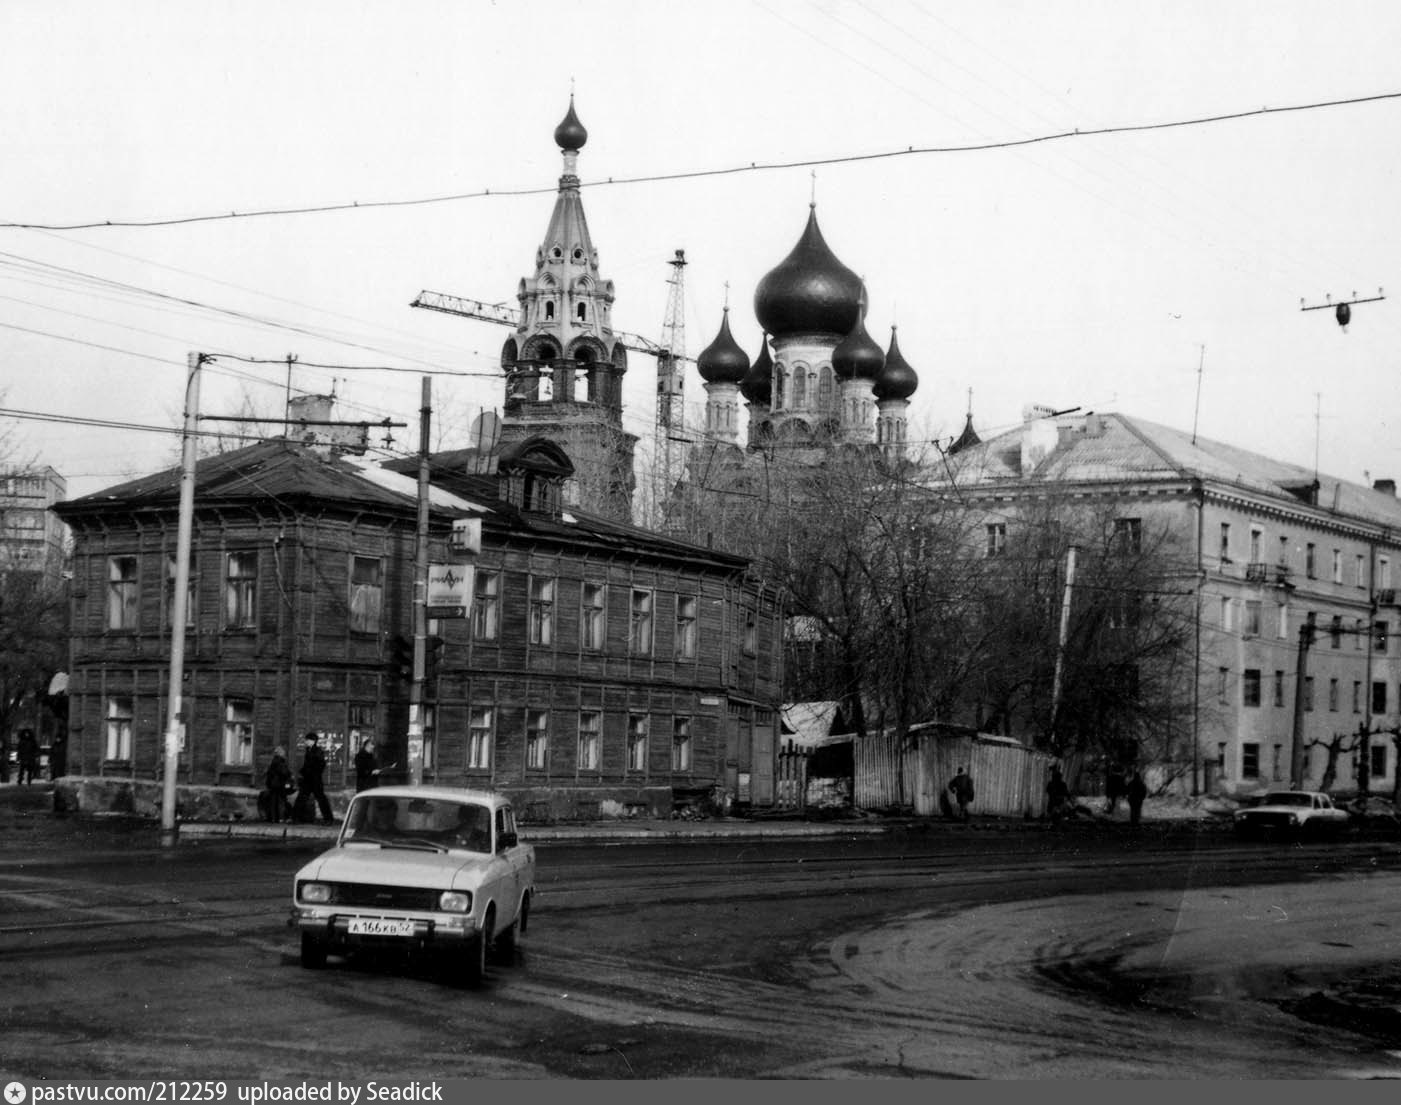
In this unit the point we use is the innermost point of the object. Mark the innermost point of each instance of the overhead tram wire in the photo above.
(734, 170)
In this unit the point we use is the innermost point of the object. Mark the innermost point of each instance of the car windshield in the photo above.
(416, 822)
(1288, 798)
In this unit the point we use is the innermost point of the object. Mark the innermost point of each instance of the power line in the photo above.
(752, 167)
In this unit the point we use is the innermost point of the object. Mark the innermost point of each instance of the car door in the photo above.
(509, 856)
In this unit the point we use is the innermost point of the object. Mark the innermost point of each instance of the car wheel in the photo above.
(313, 952)
(471, 963)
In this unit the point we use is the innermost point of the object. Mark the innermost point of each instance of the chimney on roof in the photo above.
(311, 421)
(1386, 487)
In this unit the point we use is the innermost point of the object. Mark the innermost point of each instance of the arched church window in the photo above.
(556, 253)
(549, 309)
(826, 394)
(583, 312)
(578, 254)
(780, 386)
(800, 386)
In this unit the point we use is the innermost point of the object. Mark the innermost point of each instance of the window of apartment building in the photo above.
(119, 715)
(123, 592)
(241, 590)
(1308, 692)
(238, 731)
(542, 610)
(1250, 687)
(1225, 542)
(1227, 621)
(1250, 760)
(590, 740)
(1128, 535)
(686, 607)
(1279, 687)
(1337, 565)
(1257, 545)
(681, 744)
(637, 742)
(1311, 560)
(1335, 632)
(1223, 680)
(1357, 696)
(1384, 574)
(170, 573)
(1380, 631)
(366, 593)
(592, 616)
(1359, 570)
(1378, 764)
(1278, 772)
(640, 624)
(1283, 551)
(1333, 695)
(1378, 697)
(486, 606)
(479, 737)
(537, 739)
(1252, 618)
(751, 633)
(1282, 629)
(996, 538)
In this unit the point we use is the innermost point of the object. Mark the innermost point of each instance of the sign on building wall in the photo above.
(449, 590)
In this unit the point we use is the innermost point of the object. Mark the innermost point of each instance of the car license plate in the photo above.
(379, 926)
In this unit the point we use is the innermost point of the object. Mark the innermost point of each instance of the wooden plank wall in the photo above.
(1008, 780)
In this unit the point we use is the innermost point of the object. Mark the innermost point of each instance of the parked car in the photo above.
(1294, 813)
(427, 870)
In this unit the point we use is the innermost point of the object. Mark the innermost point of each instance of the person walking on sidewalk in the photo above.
(1137, 792)
(28, 749)
(962, 790)
(366, 767)
(278, 781)
(313, 778)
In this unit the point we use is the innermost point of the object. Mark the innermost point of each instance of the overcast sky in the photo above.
(1093, 271)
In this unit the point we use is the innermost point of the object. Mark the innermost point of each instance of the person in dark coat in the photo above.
(4, 757)
(28, 750)
(962, 790)
(1137, 792)
(58, 755)
(278, 782)
(313, 773)
(366, 767)
(1114, 788)
(1057, 796)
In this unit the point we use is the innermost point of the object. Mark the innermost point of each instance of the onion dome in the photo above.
(723, 361)
(857, 356)
(897, 380)
(967, 439)
(810, 291)
(570, 134)
(757, 385)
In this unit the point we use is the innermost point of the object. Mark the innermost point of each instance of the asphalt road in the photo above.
(918, 954)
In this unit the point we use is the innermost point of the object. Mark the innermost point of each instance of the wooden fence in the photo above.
(1009, 779)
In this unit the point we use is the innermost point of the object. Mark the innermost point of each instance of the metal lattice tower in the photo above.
(671, 412)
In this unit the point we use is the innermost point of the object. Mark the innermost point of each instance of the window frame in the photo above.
(118, 724)
(682, 748)
(486, 605)
(639, 734)
(241, 590)
(641, 636)
(593, 616)
(687, 626)
(537, 739)
(481, 733)
(590, 746)
(123, 594)
(1250, 688)
(365, 597)
(541, 619)
(236, 733)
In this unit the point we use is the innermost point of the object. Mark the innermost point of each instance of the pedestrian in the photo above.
(1113, 789)
(58, 755)
(962, 790)
(1137, 792)
(1057, 796)
(28, 749)
(4, 757)
(312, 780)
(366, 766)
(278, 781)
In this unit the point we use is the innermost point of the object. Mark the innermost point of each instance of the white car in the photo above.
(436, 870)
(1294, 812)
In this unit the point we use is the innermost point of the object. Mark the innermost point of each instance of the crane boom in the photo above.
(510, 316)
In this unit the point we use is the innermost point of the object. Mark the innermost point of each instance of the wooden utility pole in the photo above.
(1301, 667)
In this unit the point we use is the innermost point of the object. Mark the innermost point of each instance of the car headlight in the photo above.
(455, 901)
(1293, 819)
(317, 893)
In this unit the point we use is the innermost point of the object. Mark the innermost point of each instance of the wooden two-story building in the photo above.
(602, 668)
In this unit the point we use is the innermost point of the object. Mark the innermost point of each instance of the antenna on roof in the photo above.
(1196, 410)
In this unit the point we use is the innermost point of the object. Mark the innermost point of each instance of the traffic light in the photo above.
(401, 658)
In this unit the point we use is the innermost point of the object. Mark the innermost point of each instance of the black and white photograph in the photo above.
(766, 540)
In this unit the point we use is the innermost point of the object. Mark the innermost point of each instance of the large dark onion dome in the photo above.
(570, 134)
(857, 356)
(723, 361)
(757, 385)
(810, 291)
(897, 380)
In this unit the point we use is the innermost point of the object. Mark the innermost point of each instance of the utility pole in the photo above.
(1301, 667)
(420, 592)
(1061, 639)
(671, 411)
(184, 538)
